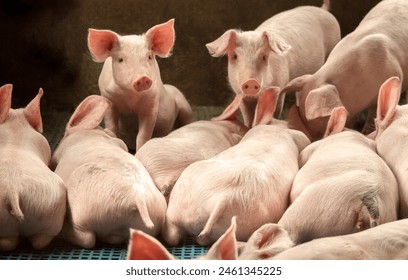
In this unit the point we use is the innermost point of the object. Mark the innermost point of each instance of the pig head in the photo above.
(33, 198)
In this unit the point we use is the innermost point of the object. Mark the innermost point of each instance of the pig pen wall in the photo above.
(43, 44)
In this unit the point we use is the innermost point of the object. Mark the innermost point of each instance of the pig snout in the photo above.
(142, 84)
(251, 87)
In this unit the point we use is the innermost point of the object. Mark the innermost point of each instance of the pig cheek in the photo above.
(122, 74)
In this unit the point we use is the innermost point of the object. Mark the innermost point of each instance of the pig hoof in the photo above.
(8, 244)
(83, 239)
(203, 240)
(172, 234)
(39, 241)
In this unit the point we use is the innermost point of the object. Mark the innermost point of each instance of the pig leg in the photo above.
(111, 119)
(41, 240)
(203, 238)
(147, 121)
(368, 214)
(172, 234)
(185, 114)
(8, 243)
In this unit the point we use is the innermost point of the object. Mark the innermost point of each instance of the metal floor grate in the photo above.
(61, 250)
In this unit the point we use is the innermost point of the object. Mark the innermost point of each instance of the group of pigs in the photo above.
(306, 187)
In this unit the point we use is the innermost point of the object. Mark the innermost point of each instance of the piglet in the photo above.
(342, 187)
(384, 242)
(251, 180)
(289, 44)
(130, 78)
(109, 190)
(354, 71)
(32, 197)
(166, 158)
(391, 134)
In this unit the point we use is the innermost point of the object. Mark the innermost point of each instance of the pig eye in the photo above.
(120, 59)
(264, 58)
(234, 56)
(150, 56)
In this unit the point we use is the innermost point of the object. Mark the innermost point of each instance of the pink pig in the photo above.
(391, 135)
(384, 242)
(130, 78)
(354, 71)
(251, 180)
(165, 158)
(109, 190)
(342, 186)
(288, 45)
(32, 197)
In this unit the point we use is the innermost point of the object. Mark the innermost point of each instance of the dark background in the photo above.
(43, 42)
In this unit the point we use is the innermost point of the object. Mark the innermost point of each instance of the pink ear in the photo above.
(145, 247)
(337, 121)
(5, 101)
(32, 112)
(89, 114)
(161, 38)
(276, 43)
(225, 248)
(222, 45)
(321, 101)
(101, 43)
(230, 113)
(388, 98)
(266, 106)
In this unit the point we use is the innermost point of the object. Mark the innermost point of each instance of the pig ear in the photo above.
(266, 106)
(276, 43)
(89, 114)
(5, 101)
(224, 44)
(32, 112)
(337, 121)
(266, 242)
(225, 248)
(145, 247)
(230, 113)
(388, 98)
(321, 101)
(101, 43)
(161, 38)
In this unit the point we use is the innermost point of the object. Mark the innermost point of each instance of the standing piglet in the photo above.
(354, 71)
(165, 158)
(250, 180)
(130, 78)
(290, 44)
(109, 190)
(32, 197)
(342, 186)
(391, 136)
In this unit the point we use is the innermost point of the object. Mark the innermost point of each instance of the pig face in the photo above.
(254, 59)
(134, 66)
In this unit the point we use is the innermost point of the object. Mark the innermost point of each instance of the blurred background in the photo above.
(43, 42)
